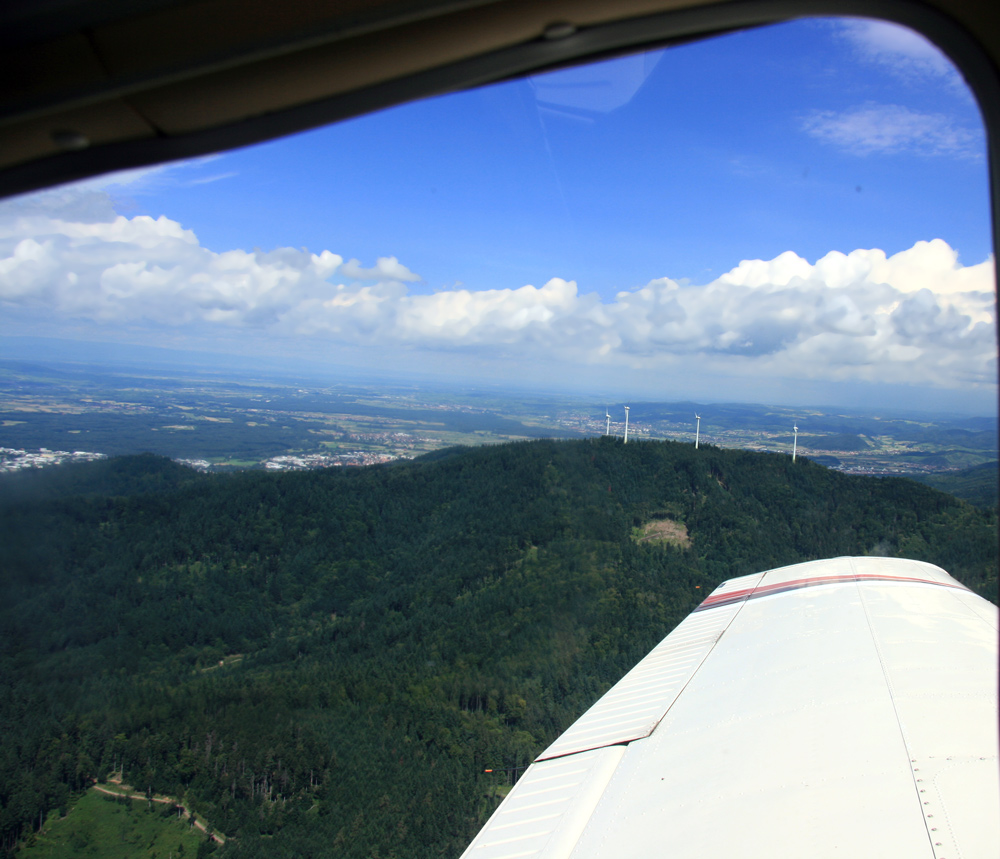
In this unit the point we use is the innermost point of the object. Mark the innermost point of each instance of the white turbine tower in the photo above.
(626, 426)
(697, 430)
(795, 443)
(607, 414)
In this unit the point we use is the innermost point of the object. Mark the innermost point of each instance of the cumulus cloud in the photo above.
(919, 316)
(148, 270)
(892, 129)
(385, 268)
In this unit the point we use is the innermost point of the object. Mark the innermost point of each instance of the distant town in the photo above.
(12, 459)
(306, 461)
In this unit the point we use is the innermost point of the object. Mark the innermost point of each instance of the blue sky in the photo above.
(585, 228)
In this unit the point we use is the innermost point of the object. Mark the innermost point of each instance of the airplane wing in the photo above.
(844, 707)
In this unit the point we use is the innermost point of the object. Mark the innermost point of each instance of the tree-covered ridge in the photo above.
(327, 661)
(977, 485)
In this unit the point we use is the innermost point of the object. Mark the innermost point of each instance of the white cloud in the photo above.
(135, 178)
(917, 317)
(206, 180)
(953, 130)
(899, 48)
(893, 129)
(133, 181)
(385, 268)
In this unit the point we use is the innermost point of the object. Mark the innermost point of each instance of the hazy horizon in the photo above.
(122, 357)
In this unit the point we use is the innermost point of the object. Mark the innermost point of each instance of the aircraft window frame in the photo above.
(564, 46)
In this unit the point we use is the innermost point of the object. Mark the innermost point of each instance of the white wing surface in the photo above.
(845, 707)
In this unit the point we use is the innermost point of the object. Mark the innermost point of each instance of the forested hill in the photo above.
(326, 662)
(977, 485)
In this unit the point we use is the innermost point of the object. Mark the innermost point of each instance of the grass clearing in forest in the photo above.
(112, 828)
(663, 531)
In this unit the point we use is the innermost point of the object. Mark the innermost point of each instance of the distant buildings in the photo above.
(13, 459)
(307, 461)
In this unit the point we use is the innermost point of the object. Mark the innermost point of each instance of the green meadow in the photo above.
(116, 828)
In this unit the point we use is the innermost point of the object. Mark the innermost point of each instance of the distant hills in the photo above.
(330, 661)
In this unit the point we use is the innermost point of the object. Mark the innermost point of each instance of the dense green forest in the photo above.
(977, 485)
(325, 663)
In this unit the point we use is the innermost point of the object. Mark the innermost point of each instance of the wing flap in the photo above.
(548, 810)
(634, 706)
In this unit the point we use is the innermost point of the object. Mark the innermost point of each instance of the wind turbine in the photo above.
(795, 443)
(626, 426)
(607, 414)
(697, 430)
